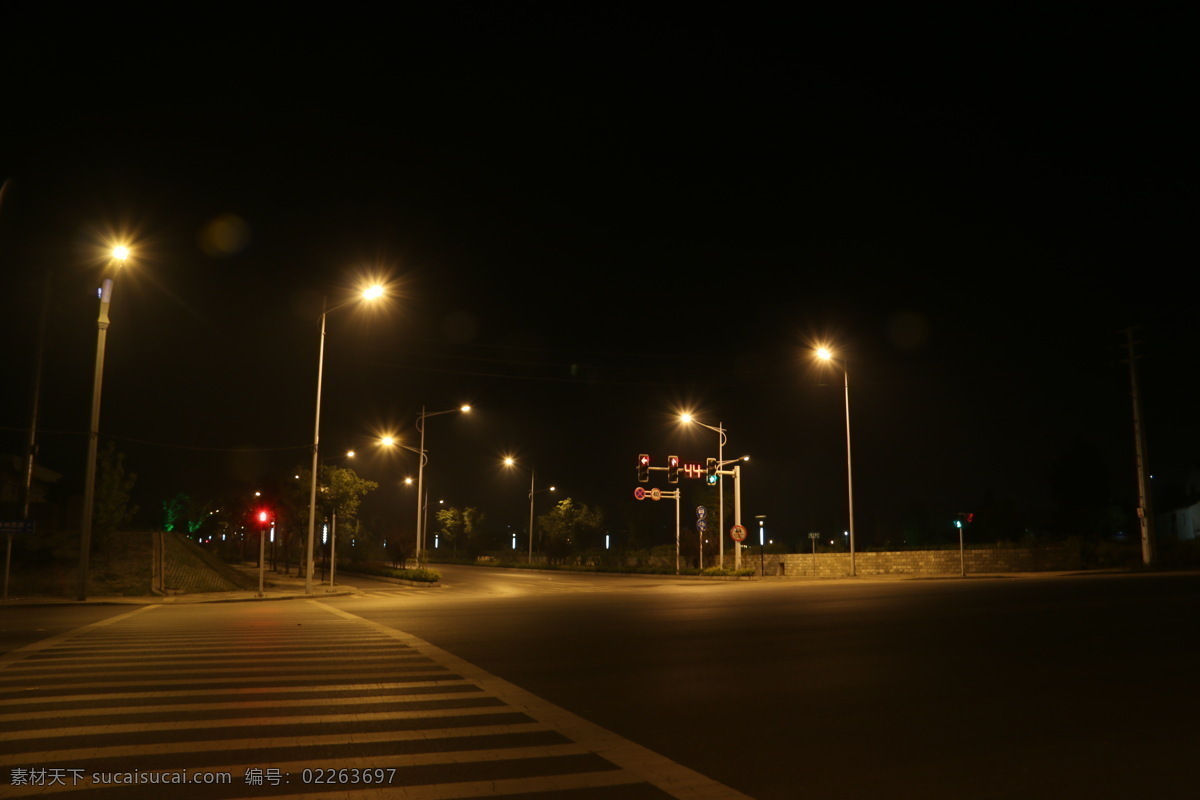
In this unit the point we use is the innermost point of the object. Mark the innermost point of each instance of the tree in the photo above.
(569, 528)
(112, 510)
(340, 491)
(461, 527)
(173, 511)
(181, 511)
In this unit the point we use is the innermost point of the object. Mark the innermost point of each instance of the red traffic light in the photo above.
(263, 517)
(643, 467)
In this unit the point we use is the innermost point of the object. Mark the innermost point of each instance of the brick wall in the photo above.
(918, 562)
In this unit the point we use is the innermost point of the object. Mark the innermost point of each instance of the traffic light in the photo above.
(672, 469)
(263, 518)
(710, 470)
(643, 467)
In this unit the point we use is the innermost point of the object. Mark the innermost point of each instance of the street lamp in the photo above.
(511, 462)
(421, 495)
(117, 260)
(826, 355)
(371, 293)
(722, 439)
(392, 441)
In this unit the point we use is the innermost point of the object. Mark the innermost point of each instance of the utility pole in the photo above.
(1145, 509)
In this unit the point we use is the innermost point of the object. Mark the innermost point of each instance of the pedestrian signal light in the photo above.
(672, 469)
(643, 468)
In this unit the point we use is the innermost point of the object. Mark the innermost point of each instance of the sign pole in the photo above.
(677, 531)
(262, 539)
(737, 510)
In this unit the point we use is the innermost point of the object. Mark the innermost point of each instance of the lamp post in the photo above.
(826, 355)
(392, 441)
(511, 462)
(371, 293)
(118, 258)
(421, 494)
(721, 440)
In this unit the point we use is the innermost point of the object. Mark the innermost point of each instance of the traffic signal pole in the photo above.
(737, 514)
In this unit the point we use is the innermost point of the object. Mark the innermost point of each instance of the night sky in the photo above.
(590, 222)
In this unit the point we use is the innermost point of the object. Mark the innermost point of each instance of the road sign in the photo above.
(655, 494)
(639, 493)
(16, 526)
(702, 524)
(737, 533)
(701, 512)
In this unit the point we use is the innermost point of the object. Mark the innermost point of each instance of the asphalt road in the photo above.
(1080, 686)
(1057, 687)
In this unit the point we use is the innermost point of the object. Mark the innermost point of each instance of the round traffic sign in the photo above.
(702, 524)
(737, 533)
(639, 493)
(701, 512)
(655, 494)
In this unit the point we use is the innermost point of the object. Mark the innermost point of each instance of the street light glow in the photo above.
(120, 253)
(824, 353)
(373, 292)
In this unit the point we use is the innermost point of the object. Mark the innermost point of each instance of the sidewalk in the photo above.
(276, 586)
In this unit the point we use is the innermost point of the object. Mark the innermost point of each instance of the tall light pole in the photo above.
(511, 463)
(117, 260)
(721, 440)
(371, 293)
(826, 355)
(392, 441)
(421, 496)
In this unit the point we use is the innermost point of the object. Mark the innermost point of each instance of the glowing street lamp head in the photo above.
(824, 354)
(685, 417)
(120, 253)
(373, 292)
(387, 441)
(465, 409)
(510, 461)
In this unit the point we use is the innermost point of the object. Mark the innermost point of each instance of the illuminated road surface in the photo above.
(1069, 687)
(526, 684)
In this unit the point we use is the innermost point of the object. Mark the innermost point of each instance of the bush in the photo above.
(414, 575)
(728, 572)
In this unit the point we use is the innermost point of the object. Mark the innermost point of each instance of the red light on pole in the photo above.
(643, 467)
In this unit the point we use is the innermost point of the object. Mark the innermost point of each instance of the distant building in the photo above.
(1180, 518)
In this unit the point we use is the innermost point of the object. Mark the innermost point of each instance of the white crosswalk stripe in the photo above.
(275, 700)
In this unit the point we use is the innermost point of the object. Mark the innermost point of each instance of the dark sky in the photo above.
(591, 221)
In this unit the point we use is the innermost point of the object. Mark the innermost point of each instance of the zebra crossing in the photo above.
(293, 699)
